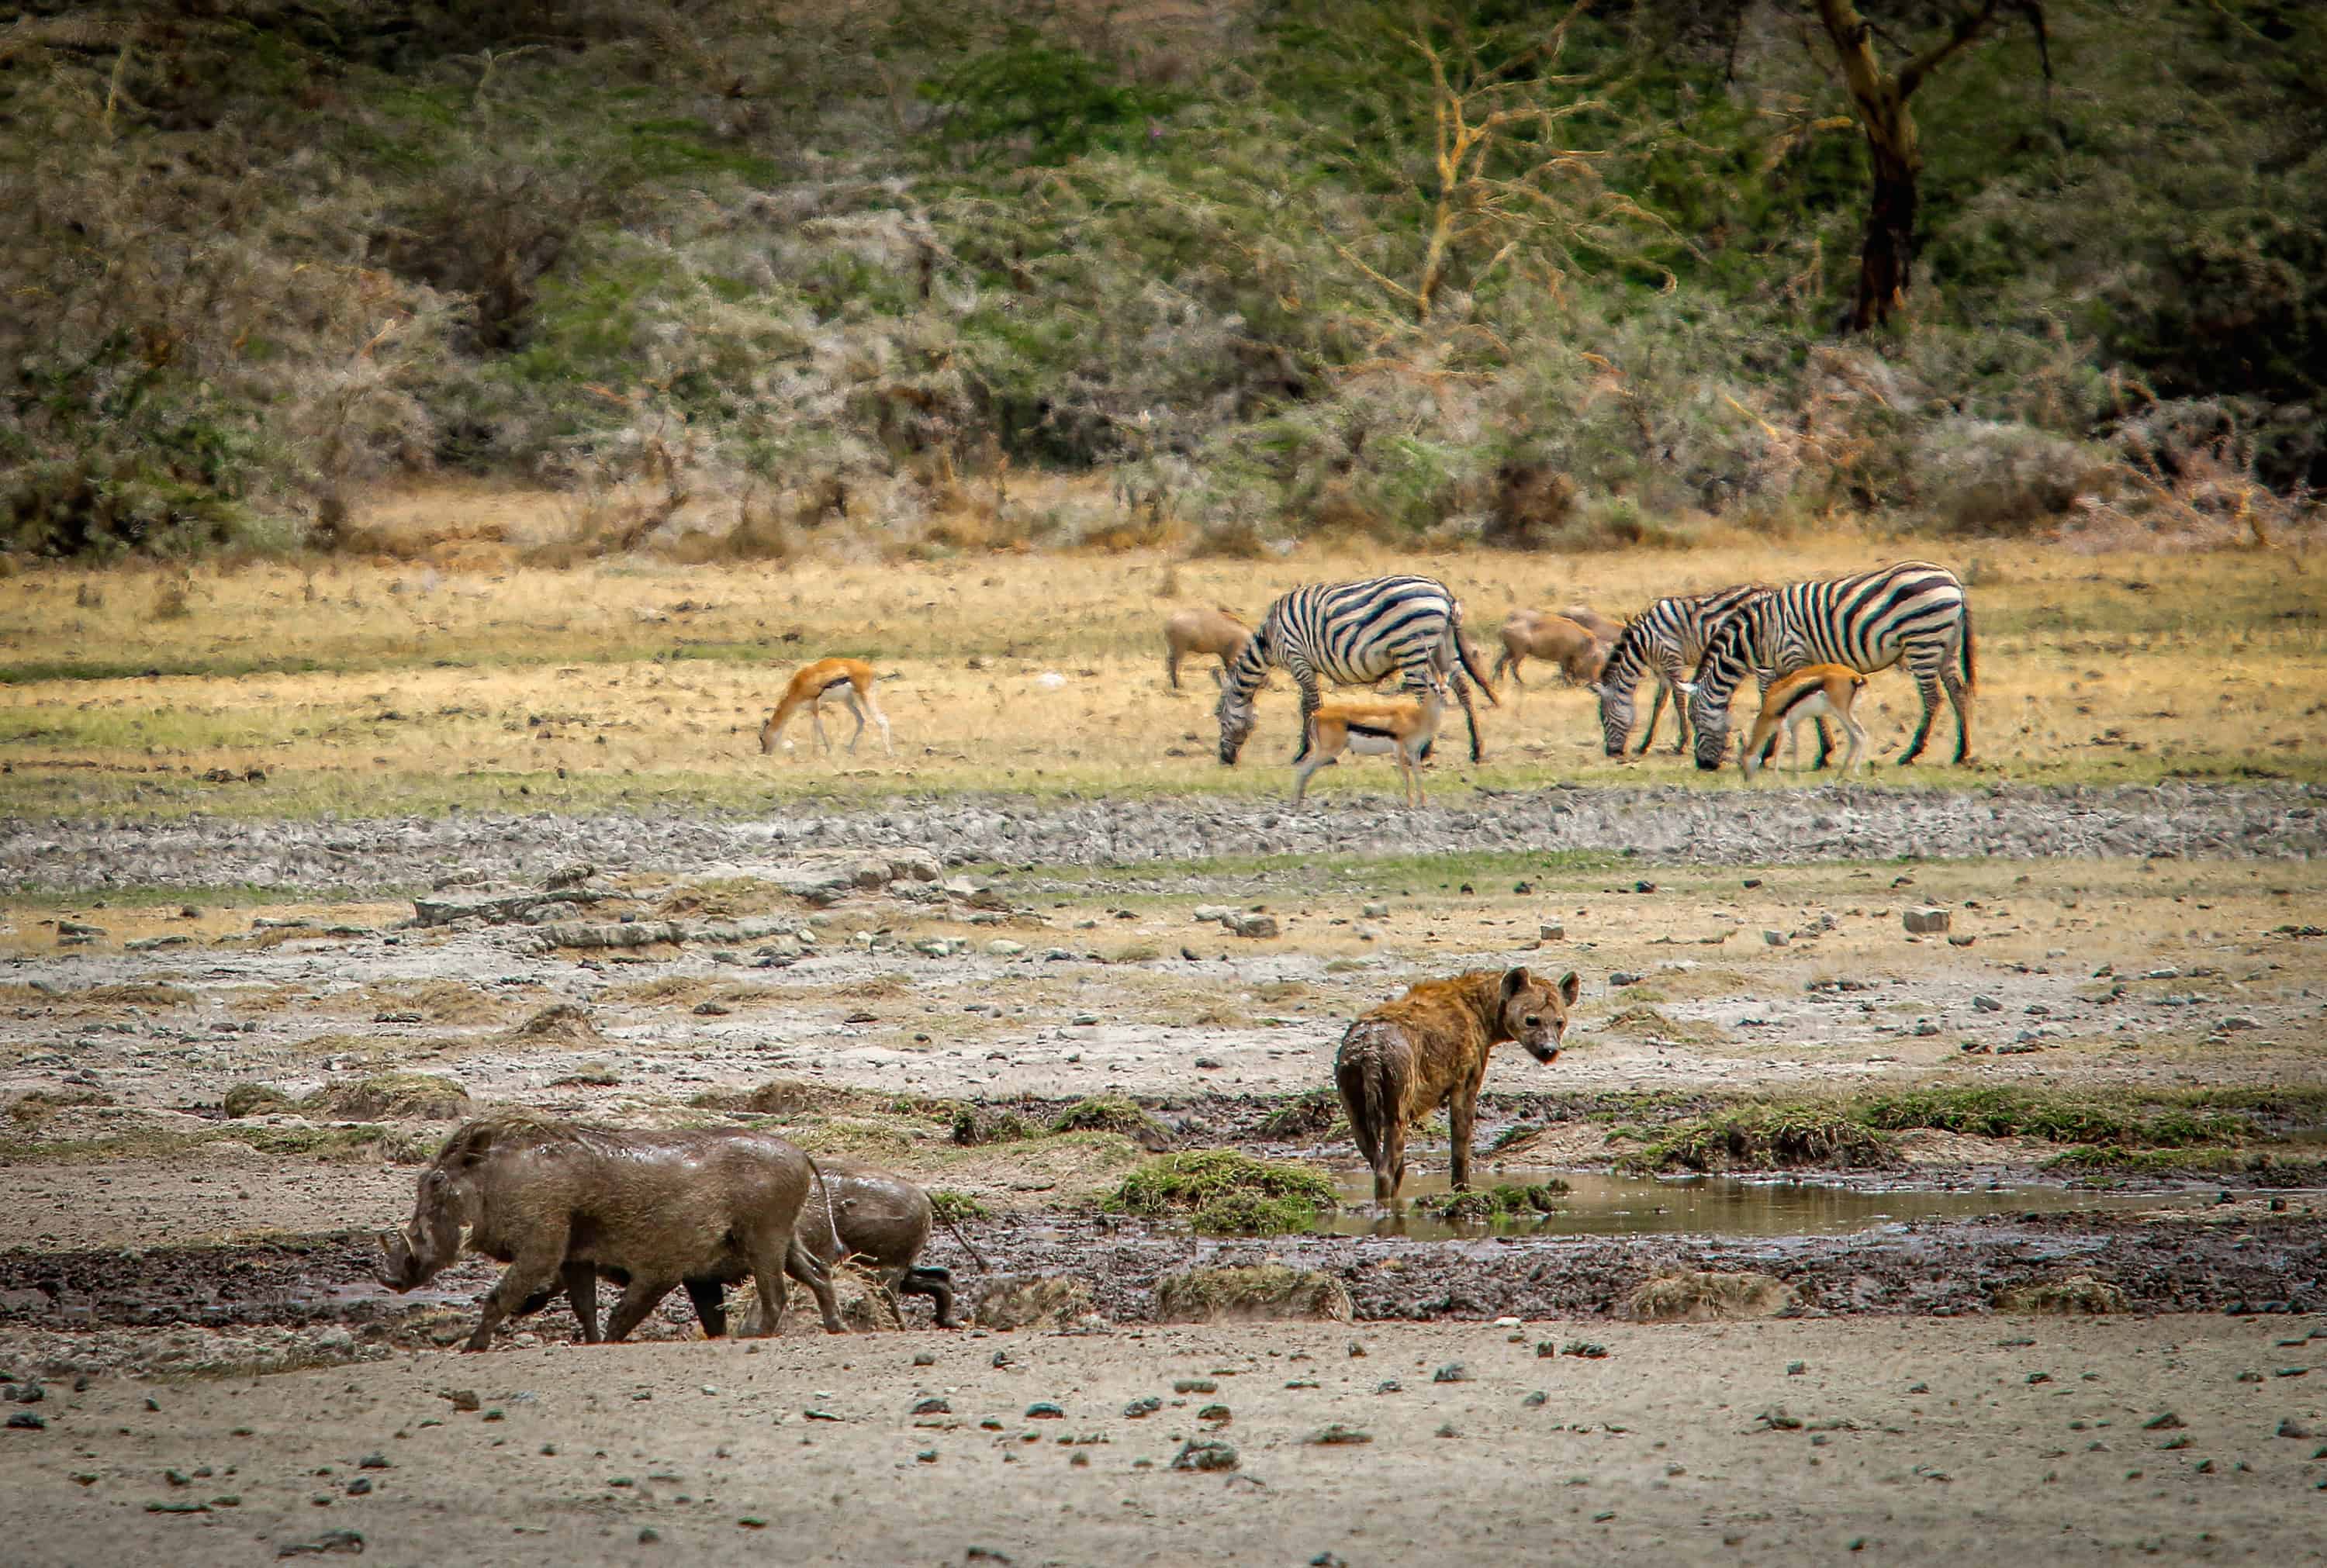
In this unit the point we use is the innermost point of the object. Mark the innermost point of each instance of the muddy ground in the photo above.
(1015, 957)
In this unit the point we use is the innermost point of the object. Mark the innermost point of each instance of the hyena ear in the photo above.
(1515, 981)
(1571, 986)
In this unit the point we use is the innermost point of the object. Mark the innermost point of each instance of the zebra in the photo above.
(1663, 640)
(1352, 634)
(1909, 609)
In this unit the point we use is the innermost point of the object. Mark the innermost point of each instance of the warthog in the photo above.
(1220, 632)
(860, 1212)
(1428, 1047)
(1535, 634)
(558, 1203)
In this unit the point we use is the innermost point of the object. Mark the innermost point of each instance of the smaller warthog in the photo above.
(559, 1202)
(1219, 633)
(1538, 634)
(1429, 1048)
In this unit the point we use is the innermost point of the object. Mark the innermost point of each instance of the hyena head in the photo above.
(1534, 1013)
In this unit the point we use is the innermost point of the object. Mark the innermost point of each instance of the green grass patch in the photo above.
(957, 1207)
(1311, 1114)
(1761, 1135)
(1112, 1114)
(2014, 1112)
(1225, 1190)
(1506, 1202)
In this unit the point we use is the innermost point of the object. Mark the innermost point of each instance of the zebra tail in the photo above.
(1971, 679)
(1471, 663)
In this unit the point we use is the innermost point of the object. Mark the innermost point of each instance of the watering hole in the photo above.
(1605, 1205)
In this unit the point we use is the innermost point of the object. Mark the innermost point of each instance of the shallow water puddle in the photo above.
(1600, 1204)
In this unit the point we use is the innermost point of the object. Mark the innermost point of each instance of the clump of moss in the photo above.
(957, 1207)
(1700, 1296)
(2006, 1112)
(1311, 1114)
(393, 1096)
(31, 1109)
(1260, 1293)
(2078, 1295)
(1765, 1137)
(976, 1124)
(1225, 1189)
(1115, 1113)
(255, 1100)
(1497, 1202)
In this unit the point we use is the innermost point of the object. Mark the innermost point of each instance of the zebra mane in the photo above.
(1627, 656)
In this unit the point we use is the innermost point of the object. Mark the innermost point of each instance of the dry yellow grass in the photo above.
(399, 685)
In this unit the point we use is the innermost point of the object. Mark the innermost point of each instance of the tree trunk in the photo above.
(1886, 256)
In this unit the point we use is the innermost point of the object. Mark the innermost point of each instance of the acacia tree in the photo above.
(1879, 100)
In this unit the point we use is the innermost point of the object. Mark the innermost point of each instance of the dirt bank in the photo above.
(1663, 824)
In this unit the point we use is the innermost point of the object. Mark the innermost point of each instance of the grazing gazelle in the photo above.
(1813, 691)
(846, 680)
(1403, 730)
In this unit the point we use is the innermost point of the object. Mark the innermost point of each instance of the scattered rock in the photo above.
(1985, 1004)
(1550, 931)
(1257, 926)
(1925, 922)
(1337, 1436)
(1776, 938)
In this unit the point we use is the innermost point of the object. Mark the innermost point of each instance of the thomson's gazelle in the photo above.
(1812, 692)
(845, 680)
(1403, 730)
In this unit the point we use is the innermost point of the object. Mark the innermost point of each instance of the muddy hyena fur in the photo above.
(1429, 1048)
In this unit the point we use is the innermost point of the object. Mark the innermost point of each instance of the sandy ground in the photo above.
(1995, 1440)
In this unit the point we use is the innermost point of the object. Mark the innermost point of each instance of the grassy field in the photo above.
(462, 676)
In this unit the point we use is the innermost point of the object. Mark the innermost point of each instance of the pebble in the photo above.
(1004, 947)
(1985, 1004)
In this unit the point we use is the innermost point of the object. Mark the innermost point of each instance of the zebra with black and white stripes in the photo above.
(1911, 610)
(1665, 640)
(1352, 634)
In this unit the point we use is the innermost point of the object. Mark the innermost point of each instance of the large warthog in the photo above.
(875, 1217)
(1429, 1048)
(558, 1203)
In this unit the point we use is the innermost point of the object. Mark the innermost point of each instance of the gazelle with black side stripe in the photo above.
(1352, 634)
(1814, 692)
(1665, 640)
(1911, 611)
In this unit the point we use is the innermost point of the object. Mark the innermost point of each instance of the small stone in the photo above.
(1207, 1064)
(925, 1358)
(1550, 931)
(1146, 1405)
(1925, 922)
(1215, 1413)
(1452, 1372)
(2163, 1421)
(1622, 977)
(1985, 1004)
(1043, 1410)
(648, 1535)
(2291, 1427)
(932, 1405)
(464, 1398)
(1534, 1400)
(360, 1486)
(1776, 938)
(1796, 1368)
(1254, 925)
(1004, 947)
(1962, 941)
(1376, 909)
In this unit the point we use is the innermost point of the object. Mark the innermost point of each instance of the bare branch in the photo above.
(1967, 28)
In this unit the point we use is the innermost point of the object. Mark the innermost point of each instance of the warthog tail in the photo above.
(966, 1245)
(831, 1220)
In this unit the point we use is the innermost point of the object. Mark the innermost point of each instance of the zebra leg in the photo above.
(1656, 712)
(1927, 686)
(1306, 678)
(1470, 714)
(1960, 694)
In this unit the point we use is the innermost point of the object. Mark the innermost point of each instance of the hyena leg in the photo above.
(1389, 1172)
(1462, 1119)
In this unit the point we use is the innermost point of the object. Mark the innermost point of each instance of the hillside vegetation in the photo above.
(734, 271)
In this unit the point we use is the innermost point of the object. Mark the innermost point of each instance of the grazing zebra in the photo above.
(1352, 634)
(1663, 640)
(1911, 610)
